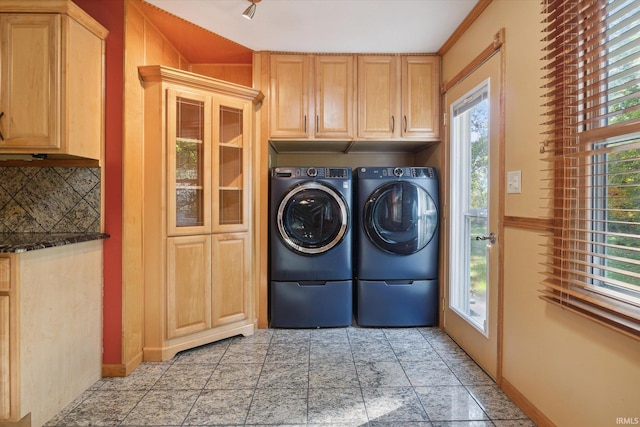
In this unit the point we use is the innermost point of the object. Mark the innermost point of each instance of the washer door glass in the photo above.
(400, 218)
(312, 218)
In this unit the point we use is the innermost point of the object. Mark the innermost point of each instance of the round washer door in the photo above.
(312, 218)
(400, 218)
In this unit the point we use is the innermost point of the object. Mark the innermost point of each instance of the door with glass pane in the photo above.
(230, 159)
(188, 163)
(231, 249)
(471, 291)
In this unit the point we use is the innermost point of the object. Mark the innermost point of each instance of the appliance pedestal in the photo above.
(311, 304)
(397, 303)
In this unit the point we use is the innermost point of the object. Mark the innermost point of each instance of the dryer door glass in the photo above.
(400, 218)
(312, 218)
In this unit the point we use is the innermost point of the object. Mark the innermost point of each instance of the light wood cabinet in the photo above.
(420, 85)
(8, 385)
(50, 329)
(398, 96)
(289, 94)
(378, 115)
(334, 94)
(312, 96)
(232, 263)
(188, 285)
(353, 102)
(51, 80)
(197, 229)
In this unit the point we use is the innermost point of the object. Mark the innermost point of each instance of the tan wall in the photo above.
(574, 371)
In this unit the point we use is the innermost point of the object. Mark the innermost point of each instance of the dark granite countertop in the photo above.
(23, 242)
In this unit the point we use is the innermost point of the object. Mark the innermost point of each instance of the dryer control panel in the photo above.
(396, 172)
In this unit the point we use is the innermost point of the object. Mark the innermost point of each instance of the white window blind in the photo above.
(592, 129)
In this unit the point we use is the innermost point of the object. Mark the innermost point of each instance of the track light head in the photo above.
(250, 11)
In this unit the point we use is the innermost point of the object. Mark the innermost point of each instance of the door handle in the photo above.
(491, 238)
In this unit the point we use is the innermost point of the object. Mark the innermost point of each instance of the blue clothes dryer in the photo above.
(397, 246)
(311, 269)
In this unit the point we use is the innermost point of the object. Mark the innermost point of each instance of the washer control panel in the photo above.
(311, 172)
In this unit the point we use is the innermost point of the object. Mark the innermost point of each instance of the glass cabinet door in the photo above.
(188, 148)
(230, 166)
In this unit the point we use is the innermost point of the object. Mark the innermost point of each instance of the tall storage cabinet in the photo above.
(197, 221)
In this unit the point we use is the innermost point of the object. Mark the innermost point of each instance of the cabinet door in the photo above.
(5, 359)
(420, 96)
(231, 296)
(30, 81)
(230, 173)
(289, 109)
(8, 349)
(188, 285)
(188, 162)
(378, 96)
(333, 82)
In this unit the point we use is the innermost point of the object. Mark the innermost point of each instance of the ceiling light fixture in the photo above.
(251, 10)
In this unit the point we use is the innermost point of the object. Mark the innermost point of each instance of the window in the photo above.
(469, 179)
(593, 134)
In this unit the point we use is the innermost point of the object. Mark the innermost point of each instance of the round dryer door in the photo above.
(400, 218)
(312, 218)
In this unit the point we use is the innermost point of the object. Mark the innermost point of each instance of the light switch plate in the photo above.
(514, 182)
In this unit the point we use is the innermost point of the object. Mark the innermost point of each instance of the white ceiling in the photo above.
(336, 26)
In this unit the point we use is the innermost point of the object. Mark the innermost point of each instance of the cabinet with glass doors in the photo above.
(197, 229)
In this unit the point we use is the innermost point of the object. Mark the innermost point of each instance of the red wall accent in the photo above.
(110, 13)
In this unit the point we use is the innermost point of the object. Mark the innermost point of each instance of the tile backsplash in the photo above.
(49, 200)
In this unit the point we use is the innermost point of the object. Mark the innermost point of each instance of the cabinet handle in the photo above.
(405, 123)
(1, 135)
(305, 123)
(393, 123)
(317, 123)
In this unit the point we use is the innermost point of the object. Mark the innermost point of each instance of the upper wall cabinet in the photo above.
(378, 95)
(312, 96)
(353, 102)
(289, 106)
(420, 85)
(51, 80)
(333, 95)
(398, 97)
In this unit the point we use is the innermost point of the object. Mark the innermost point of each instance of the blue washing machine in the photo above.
(310, 242)
(397, 246)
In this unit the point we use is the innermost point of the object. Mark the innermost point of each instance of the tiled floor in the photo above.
(338, 377)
